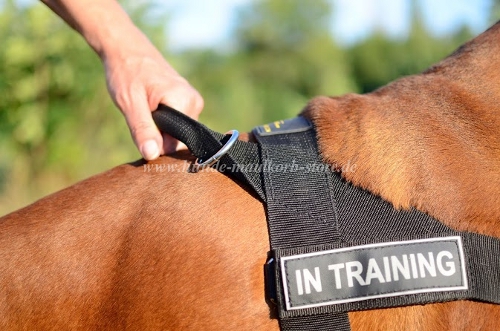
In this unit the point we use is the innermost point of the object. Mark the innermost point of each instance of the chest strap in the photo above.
(298, 215)
(336, 248)
(300, 209)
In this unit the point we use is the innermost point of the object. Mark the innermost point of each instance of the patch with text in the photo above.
(373, 271)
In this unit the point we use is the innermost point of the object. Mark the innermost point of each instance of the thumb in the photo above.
(146, 136)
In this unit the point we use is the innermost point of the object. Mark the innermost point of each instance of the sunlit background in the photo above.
(253, 61)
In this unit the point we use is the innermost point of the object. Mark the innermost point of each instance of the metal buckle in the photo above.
(197, 165)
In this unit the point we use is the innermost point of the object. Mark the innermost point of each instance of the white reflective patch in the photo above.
(373, 271)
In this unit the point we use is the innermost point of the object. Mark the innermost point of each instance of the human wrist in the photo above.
(106, 36)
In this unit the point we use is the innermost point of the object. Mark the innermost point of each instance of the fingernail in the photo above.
(150, 150)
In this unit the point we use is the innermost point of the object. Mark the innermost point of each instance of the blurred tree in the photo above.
(379, 59)
(495, 11)
(57, 121)
(284, 56)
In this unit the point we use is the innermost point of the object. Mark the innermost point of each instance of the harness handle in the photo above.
(205, 143)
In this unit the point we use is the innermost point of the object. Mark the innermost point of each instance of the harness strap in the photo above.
(204, 143)
(300, 209)
(280, 192)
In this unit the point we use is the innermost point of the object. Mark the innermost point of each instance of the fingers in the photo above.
(182, 97)
(146, 136)
(138, 103)
(144, 132)
(138, 83)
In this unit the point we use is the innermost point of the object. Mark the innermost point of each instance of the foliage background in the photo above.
(58, 124)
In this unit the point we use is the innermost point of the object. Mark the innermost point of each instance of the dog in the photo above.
(150, 246)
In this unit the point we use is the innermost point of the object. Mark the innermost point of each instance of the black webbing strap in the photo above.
(300, 209)
(328, 321)
(204, 143)
(282, 191)
(483, 261)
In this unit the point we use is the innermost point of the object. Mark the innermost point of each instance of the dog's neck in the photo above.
(429, 141)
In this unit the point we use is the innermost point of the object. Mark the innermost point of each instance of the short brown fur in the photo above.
(141, 249)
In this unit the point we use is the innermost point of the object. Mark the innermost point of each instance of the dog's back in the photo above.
(153, 247)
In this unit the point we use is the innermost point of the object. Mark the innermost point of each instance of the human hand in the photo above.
(138, 76)
(139, 79)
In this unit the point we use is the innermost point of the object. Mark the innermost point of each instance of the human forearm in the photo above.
(102, 23)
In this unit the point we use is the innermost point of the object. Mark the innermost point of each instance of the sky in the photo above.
(207, 23)
(198, 23)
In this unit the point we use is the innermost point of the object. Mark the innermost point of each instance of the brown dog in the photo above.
(152, 247)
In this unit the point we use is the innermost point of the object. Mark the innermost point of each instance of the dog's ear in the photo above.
(318, 105)
(423, 141)
(328, 117)
(337, 121)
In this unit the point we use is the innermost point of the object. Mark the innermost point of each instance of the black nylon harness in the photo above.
(336, 248)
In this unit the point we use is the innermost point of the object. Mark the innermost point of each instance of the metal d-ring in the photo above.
(216, 157)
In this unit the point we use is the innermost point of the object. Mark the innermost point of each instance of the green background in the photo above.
(58, 124)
